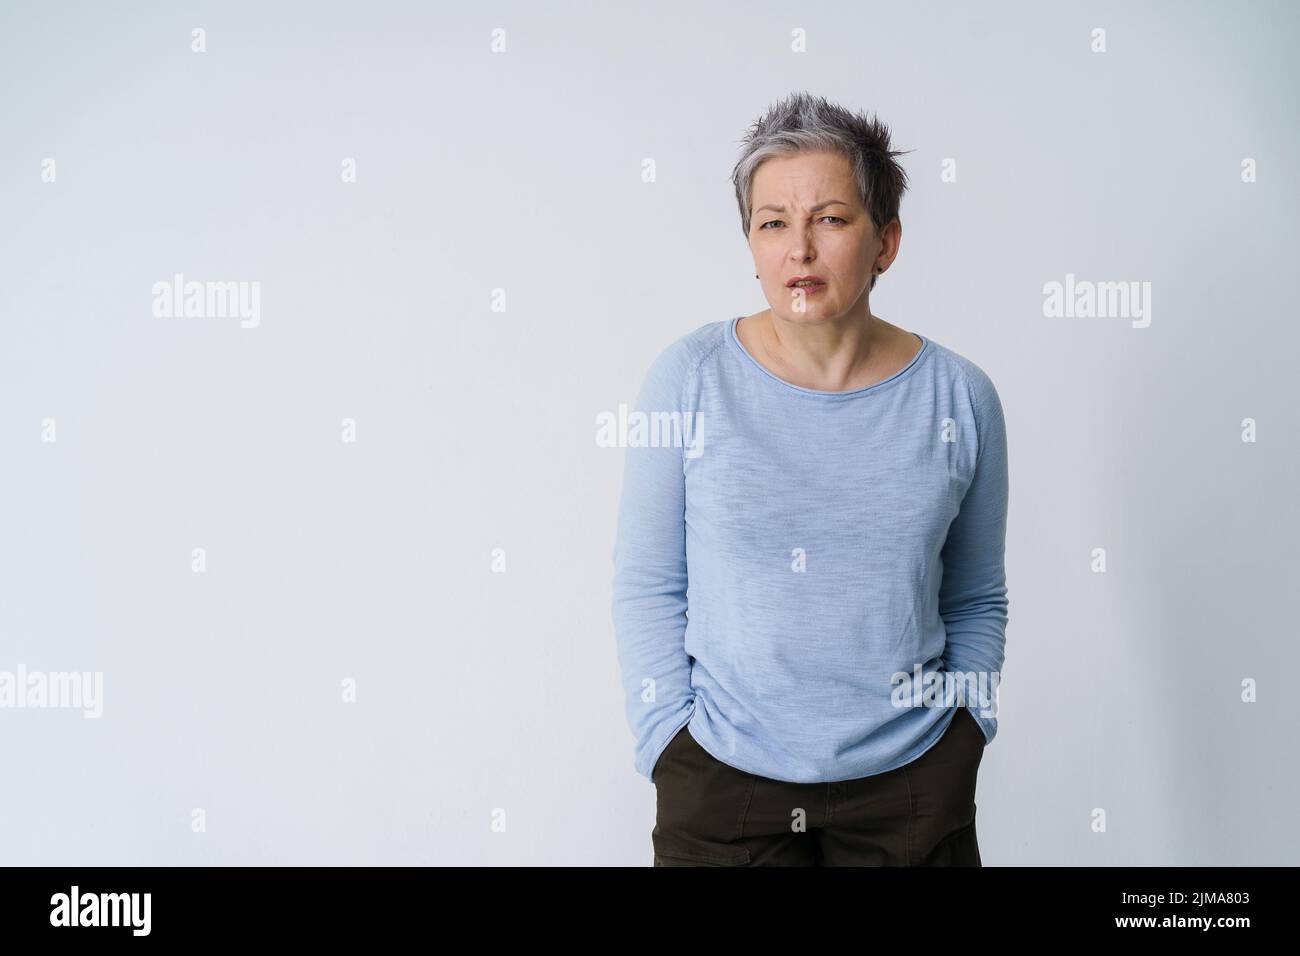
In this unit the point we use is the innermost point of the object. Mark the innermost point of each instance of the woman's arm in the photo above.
(973, 594)
(649, 590)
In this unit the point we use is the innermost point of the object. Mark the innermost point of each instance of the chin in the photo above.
(813, 312)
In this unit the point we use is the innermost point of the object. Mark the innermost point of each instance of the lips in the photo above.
(805, 282)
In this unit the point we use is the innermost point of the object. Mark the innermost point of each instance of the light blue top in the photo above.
(793, 568)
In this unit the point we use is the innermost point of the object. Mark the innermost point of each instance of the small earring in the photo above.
(755, 275)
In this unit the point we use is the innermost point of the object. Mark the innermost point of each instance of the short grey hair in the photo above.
(805, 123)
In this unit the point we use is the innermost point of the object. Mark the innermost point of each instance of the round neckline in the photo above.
(819, 393)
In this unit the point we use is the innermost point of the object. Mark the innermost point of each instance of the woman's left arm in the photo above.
(973, 593)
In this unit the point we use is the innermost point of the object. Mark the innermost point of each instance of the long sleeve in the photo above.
(973, 593)
(650, 582)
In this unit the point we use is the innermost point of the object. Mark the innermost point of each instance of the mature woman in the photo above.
(810, 594)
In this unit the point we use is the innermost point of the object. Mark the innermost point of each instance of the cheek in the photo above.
(854, 257)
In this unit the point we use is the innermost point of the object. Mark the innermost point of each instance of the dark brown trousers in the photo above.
(709, 813)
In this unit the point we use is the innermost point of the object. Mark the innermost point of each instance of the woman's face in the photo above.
(808, 219)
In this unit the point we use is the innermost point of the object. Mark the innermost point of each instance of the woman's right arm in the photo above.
(649, 588)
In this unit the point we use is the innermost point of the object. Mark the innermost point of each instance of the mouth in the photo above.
(806, 289)
(807, 283)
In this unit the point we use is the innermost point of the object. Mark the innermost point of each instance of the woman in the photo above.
(809, 594)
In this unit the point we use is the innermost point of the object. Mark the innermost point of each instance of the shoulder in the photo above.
(969, 377)
(973, 384)
(680, 361)
(690, 350)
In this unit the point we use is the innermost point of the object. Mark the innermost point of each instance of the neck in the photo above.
(833, 351)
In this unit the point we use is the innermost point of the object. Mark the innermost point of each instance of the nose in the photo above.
(801, 248)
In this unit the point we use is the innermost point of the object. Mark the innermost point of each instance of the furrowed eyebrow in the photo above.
(820, 205)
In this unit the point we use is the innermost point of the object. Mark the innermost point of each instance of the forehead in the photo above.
(804, 177)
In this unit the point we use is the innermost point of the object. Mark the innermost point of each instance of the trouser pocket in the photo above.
(700, 808)
(960, 848)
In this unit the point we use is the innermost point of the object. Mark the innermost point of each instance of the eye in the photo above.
(773, 222)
